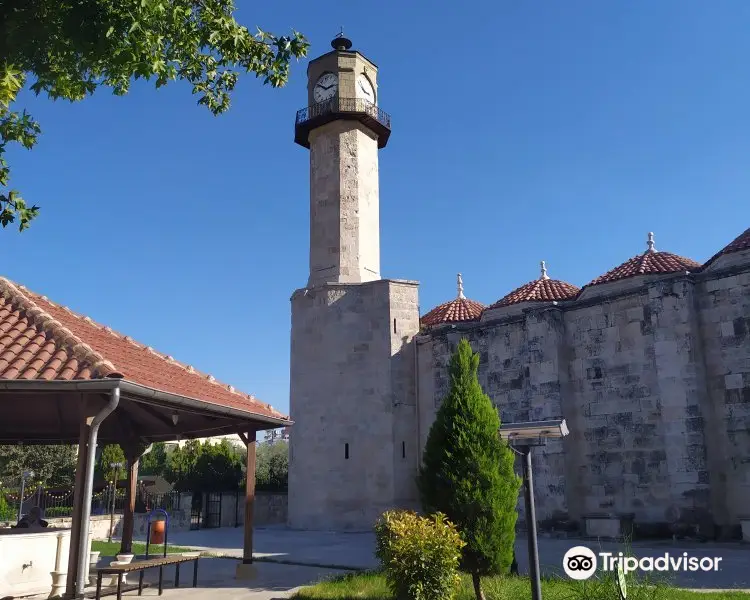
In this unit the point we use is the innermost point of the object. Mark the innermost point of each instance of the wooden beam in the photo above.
(130, 428)
(247, 552)
(133, 453)
(205, 413)
(155, 414)
(60, 413)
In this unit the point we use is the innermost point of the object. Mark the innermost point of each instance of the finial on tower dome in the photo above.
(340, 42)
(460, 282)
(650, 243)
(543, 264)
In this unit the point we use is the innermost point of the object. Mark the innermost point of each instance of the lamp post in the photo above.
(522, 437)
(116, 466)
(24, 476)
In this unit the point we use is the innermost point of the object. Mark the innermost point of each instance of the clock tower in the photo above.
(343, 128)
(352, 381)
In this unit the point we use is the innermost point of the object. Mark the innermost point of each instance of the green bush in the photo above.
(58, 511)
(419, 555)
(6, 512)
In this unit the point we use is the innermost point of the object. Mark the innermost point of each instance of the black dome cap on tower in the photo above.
(340, 42)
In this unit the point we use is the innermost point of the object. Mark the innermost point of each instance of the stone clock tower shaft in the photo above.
(352, 369)
(343, 128)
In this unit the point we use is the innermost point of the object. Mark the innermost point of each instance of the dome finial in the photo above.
(460, 282)
(543, 264)
(650, 242)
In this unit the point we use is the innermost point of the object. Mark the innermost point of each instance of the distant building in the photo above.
(216, 439)
(273, 436)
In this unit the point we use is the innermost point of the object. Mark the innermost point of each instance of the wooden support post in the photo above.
(70, 584)
(133, 455)
(245, 570)
(247, 553)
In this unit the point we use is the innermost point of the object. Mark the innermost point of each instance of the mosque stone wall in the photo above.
(519, 371)
(636, 377)
(653, 376)
(725, 327)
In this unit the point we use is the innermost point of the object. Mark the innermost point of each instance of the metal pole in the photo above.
(88, 484)
(111, 513)
(20, 502)
(528, 480)
(112, 509)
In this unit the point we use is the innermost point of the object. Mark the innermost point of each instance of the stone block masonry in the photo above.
(344, 204)
(653, 377)
(352, 449)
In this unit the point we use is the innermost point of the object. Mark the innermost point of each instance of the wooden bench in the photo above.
(141, 566)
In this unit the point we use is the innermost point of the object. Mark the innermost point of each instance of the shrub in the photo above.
(419, 555)
(6, 512)
(58, 511)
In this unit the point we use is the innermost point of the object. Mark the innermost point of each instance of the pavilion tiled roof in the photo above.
(651, 262)
(44, 341)
(458, 310)
(741, 242)
(543, 289)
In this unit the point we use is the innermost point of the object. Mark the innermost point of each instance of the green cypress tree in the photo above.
(467, 472)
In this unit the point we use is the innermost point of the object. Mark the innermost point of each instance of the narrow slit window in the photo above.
(346, 451)
(394, 326)
(403, 449)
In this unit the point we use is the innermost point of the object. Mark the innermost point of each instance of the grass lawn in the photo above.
(372, 586)
(113, 548)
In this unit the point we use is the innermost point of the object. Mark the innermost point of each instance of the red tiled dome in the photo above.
(650, 262)
(458, 310)
(741, 242)
(543, 289)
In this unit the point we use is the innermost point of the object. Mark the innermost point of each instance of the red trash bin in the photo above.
(157, 532)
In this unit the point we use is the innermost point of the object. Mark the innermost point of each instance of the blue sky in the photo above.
(522, 131)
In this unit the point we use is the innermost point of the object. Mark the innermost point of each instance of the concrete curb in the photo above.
(282, 561)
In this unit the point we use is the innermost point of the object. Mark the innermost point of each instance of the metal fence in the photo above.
(338, 105)
(55, 503)
(148, 501)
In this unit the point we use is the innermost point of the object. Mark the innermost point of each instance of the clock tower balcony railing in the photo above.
(350, 109)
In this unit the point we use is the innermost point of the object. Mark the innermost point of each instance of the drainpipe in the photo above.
(88, 487)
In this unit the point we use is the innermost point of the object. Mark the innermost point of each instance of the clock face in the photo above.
(326, 87)
(365, 89)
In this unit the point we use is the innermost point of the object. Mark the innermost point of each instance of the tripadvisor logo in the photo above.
(581, 562)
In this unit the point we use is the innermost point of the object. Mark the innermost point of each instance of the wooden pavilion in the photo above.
(67, 380)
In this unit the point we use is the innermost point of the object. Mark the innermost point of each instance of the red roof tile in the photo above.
(543, 289)
(741, 242)
(458, 310)
(455, 311)
(41, 340)
(650, 262)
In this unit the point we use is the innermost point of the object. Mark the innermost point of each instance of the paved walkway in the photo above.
(356, 551)
(216, 580)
